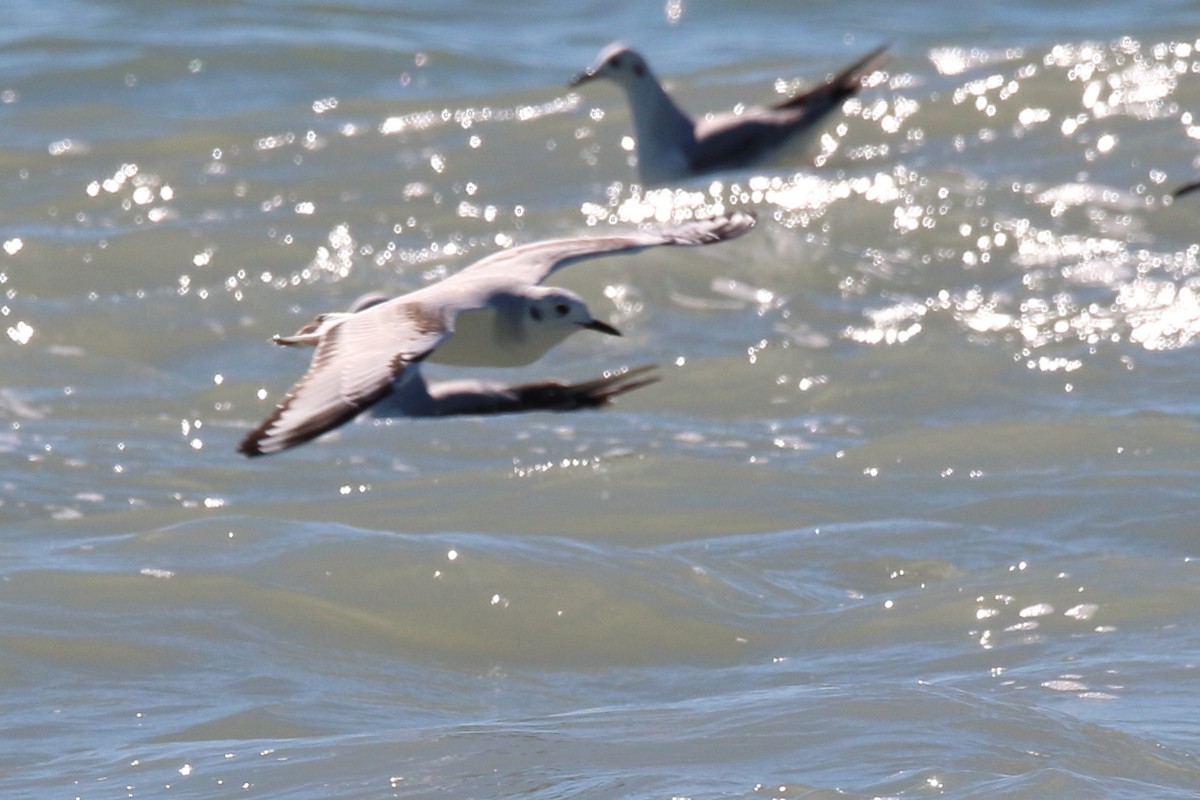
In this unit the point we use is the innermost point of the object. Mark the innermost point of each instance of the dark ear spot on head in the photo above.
(639, 69)
(536, 313)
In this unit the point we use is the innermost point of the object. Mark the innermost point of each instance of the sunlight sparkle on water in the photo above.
(957, 60)
(659, 205)
(21, 333)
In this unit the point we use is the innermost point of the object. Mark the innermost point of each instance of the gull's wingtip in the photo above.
(844, 84)
(266, 438)
(557, 396)
(865, 65)
(741, 222)
(726, 226)
(707, 230)
(879, 50)
(251, 446)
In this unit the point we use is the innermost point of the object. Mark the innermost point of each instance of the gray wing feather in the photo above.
(354, 366)
(532, 263)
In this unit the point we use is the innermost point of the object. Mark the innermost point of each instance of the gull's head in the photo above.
(553, 314)
(617, 63)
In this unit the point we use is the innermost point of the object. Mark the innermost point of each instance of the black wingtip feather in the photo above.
(253, 444)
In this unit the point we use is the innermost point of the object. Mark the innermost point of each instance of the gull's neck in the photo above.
(665, 135)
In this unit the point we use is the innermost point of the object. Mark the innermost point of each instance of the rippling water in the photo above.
(911, 512)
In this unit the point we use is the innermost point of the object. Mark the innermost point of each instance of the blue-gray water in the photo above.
(912, 512)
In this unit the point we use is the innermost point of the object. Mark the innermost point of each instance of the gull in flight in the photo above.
(671, 146)
(494, 313)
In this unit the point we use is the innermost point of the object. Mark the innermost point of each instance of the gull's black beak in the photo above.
(602, 327)
(1187, 188)
(582, 77)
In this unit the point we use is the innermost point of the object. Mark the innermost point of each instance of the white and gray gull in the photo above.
(671, 146)
(494, 313)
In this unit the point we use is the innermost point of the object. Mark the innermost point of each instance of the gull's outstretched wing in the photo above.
(531, 263)
(844, 84)
(726, 141)
(355, 365)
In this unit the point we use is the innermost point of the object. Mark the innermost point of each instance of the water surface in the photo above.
(910, 513)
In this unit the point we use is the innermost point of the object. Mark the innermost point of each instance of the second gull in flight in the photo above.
(671, 146)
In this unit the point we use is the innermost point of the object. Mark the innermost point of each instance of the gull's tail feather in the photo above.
(311, 333)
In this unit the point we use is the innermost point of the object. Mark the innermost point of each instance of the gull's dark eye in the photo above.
(536, 313)
(639, 69)
(616, 61)
(561, 309)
